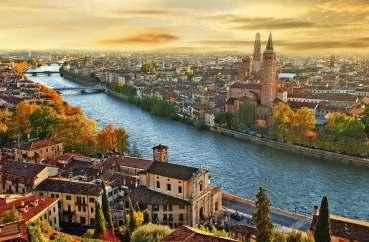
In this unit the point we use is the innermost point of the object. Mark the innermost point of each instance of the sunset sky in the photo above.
(298, 26)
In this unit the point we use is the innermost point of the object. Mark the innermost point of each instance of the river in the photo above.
(294, 182)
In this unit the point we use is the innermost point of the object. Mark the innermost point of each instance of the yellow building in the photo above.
(177, 194)
(76, 199)
(37, 151)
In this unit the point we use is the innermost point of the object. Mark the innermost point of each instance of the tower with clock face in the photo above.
(269, 80)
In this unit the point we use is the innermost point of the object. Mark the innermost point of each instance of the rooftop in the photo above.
(35, 144)
(144, 195)
(67, 186)
(188, 234)
(176, 171)
(26, 170)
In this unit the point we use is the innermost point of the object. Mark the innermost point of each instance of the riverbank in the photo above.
(298, 149)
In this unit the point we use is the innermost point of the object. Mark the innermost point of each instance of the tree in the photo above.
(10, 216)
(42, 120)
(100, 223)
(247, 114)
(150, 233)
(303, 123)
(34, 233)
(365, 120)
(106, 209)
(5, 117)
(111, 139)
(261, 217)
(23, 112)
(147, 216)
(224, 119)
(322, 230)
(132, 217)
(282, 118)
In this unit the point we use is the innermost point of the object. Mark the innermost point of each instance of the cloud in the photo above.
(144, 12)
(147, 37)
(344, 6)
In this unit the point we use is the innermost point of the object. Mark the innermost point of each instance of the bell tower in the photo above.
(269, 82)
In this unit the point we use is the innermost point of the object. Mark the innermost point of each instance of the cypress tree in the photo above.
(106, 209)
(132, 217)
(322, 230)
(147, 216)
(100, 223)
(261, 217)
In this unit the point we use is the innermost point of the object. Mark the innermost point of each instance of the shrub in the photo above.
(150, 233)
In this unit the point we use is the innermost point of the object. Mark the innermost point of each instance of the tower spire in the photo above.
(269, 45)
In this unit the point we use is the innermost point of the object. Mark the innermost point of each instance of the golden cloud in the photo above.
(147, 37)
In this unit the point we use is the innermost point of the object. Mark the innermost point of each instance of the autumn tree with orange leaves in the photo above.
(111, 139)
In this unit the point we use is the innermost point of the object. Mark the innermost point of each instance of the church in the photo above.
(260, 85)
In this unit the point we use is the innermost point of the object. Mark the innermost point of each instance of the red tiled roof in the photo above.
(29, 201)
(36, 144)
(13, 231)
(186, 234)
(245, 85)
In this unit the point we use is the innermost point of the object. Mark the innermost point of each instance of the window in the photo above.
(179, 189)
(180, 217)
(169, 187)
(92, 221)
(165, 207)
(92, 210)
(110, 194)
(157, 184)
(91, 200)
(170, 207)
(68, 197)
(165, 217)
(170, 217)
(84, 209)
(69, 209)
(79, 208)
(181, 206)
(200, 186)
(155, 207)
(83, 220)
(155, 217)
(52, 195)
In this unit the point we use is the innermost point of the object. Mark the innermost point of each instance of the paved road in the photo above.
(279, 217)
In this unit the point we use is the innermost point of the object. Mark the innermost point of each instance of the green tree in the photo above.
(247, 114)
(224, 119)
(10, 216)
(100, 223)
(147, 216)
(322, 231)
(42, 120)
(106, 209)
(261, 217)
(34, 233)
(365, 120)
(150, 233)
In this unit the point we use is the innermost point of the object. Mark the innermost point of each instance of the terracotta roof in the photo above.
(187, 234)
(36, 144)
(176, 171)
(13, 231)
(26, 170)
(144, 195)
(358, 230)
(127, 161)
(67, 186)
(29, 201)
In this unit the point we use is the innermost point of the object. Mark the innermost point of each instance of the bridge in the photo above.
(82, 90)
(35, 73)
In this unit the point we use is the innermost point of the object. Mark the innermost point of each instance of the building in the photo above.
(256, 65)
(269, 81)
(17, 177)
(126, 165)
(188, 234)
(32, 208)
(76, 199)
(177, 194)
(37, 150)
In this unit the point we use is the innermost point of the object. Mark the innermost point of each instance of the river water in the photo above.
(295, 182)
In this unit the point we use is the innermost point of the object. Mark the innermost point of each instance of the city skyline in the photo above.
(304, 27)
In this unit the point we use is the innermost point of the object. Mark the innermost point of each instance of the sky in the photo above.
(301, 27)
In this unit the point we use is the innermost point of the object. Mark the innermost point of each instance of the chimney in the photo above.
(160, 153)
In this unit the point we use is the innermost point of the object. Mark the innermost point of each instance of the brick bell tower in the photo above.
(269, 80)
(160, 153)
